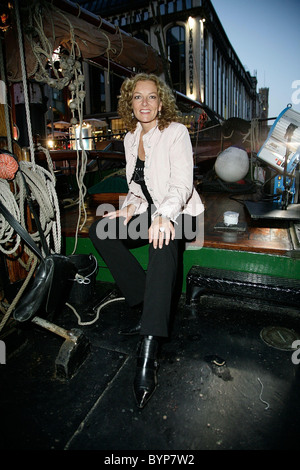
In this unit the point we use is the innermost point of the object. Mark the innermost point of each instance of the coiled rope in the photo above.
(71, 76)
(41, 184)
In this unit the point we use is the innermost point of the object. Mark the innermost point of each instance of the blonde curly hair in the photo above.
(169, 112)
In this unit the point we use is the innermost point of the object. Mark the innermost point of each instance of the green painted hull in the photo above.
(265, 264)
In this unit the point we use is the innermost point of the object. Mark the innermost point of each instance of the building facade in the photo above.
(199, 60)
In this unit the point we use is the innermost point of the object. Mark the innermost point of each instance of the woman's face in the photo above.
(146, 103)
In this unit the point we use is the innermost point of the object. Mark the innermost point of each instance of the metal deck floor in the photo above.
(249, 403)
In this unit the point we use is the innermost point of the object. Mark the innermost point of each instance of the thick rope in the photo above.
(72, 77)
(9, 243)
(19, 294)
(24, 81)
(41, 184)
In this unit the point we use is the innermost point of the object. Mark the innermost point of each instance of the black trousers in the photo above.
(155, 287)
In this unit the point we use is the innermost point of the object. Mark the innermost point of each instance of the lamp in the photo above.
(191, 22)
(281, 151)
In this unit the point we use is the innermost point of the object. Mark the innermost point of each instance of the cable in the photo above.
(81, 323)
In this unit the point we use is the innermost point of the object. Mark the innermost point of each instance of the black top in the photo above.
(138, 177)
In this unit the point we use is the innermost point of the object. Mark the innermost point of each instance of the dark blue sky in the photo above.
(266, 36)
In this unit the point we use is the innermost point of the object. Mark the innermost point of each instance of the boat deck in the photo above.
(221, 385)
(260, 235)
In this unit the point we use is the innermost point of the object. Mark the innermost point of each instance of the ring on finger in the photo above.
(162, 229)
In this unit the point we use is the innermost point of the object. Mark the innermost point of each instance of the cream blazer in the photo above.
(168, 171)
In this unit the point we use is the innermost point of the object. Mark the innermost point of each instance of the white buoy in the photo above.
(232, 164)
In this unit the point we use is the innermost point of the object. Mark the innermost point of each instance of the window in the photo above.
(179, 6)
(176, 54)
(206, 70)
(97, 84)
(171, 7)
(138, 16)
(215, 80)
(220, 90)
(115, 85)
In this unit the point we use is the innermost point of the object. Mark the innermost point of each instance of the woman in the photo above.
(160, 201)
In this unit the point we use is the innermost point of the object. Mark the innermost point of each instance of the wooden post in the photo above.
(15, 271)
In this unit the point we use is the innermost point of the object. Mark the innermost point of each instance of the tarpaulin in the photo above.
(92, 41)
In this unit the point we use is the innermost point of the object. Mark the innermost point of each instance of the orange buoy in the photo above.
(8, 166)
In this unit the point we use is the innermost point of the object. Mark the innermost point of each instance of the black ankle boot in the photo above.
(145, 381)
(131, 331)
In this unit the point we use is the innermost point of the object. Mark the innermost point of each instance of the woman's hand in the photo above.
(161, 230)
(127, 212)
